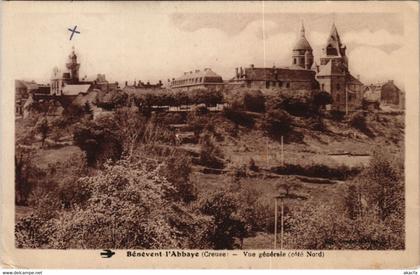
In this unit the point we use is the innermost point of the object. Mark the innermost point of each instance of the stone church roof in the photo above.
(302, 43)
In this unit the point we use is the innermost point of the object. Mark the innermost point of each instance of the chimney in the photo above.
(252, 65)
(237, 72)
(126, 83)
(241, 72)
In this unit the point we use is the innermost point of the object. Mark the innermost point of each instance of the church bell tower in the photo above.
(73, 67)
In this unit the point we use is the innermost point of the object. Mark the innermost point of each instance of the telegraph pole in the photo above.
(347, 108)
(282, 224)
(282, 151)
(275, 222)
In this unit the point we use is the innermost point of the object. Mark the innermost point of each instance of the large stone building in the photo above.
(385, 93)
(334, 76)
(68, 83)
(298, 76)
(206, 79)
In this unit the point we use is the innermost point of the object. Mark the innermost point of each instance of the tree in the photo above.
(26, 175)
(210, 154)
(254, 101)
(382, 185)
(321, 99)
(177, 170)
(277, 122)
(42, 128)
(127, 207)
(222, 207)
(100, 140)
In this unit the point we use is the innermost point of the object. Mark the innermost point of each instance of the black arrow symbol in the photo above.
(107, 253)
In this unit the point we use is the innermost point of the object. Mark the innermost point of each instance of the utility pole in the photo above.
(275, 222)
(282, 223)
(347, 108)
(282, 151)
(281, 197)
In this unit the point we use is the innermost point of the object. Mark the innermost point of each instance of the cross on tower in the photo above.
(73, 31)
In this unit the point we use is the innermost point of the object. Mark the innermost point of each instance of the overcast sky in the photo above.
(148, 43)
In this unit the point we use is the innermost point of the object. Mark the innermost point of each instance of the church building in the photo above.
(298, 76)
(335, 78)
(68, 83)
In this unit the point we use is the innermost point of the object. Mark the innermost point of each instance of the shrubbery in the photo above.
(318, 170)
(277, 122)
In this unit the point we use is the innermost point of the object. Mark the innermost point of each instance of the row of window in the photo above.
(273, 84)
(188, 81)
(279, 84)
(197, 80)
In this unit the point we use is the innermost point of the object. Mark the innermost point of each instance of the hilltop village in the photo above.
(196, 161)
(330, 75)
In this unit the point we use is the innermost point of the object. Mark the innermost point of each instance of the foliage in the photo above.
(221, 206)
(26, 175)
(238, 116)
(42, 128)
(177, 170)
(100, 140)
(341, 172)
(277, 122)
(254, 101)
(358, 121)
(371, 214)
(320, 99)
(382, 185)
(210, 155)
(128, 207)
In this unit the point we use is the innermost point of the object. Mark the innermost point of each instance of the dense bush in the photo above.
(239, 117)
(321, 99)
(177, 170)
(99, 140)
(27, 175)
(277, 122)
(210, 155)
(370, 216)
(254, 101)
(222, 207)
(358, 121)
(318, 170)
(127, 208)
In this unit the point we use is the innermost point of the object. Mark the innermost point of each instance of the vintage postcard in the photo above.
(209, 134)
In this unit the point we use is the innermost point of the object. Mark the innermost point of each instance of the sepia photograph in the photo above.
(149, 126)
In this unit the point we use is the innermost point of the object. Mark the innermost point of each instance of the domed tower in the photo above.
(73, 67)
(302, 52)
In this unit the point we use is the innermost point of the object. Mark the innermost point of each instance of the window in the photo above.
(338, 86)
(201, 79)
(323, 87)
(294, 60)
(287, 85)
